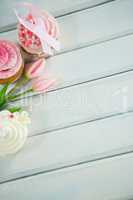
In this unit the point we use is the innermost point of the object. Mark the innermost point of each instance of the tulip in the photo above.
(39, 84)
(42, 84)
(35, 69)
(32, 70)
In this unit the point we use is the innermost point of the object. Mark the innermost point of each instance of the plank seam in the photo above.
(97, 42)
(12, 27)
(130, 69)
(74, 165)
(86, 8)
(116, 37)
(82, 123)
(85, 121)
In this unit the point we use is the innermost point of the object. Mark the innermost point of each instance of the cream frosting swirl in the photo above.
(13, 131)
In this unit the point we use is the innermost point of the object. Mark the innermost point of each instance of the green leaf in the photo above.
(3, 107)
(3, 94)
(14, 109)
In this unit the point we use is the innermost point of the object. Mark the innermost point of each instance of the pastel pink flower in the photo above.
(35, 69)
(42, 84)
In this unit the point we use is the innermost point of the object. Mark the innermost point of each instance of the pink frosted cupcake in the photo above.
(38, 32)
(11, 63)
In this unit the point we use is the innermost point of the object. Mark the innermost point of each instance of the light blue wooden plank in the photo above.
(92, 62)
(93, 25)
(112, 56)
(80, 103)
(69, 146)
(105, 100)
(58, 7)
(79, 66)
(102, 180)
(63, 102)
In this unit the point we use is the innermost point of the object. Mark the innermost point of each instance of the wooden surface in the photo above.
(80, 143)
(105, 179)
(58, 8)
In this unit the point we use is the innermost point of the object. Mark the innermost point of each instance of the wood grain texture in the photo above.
(63, 148)
(80, 103)
(92, 63)
(112, 56)
(92, 25)
(75, 117)
(59, 7)
(102, 180)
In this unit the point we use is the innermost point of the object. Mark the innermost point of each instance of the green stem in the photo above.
(3, 106)
(3, 96)
(19, 83)
(11, 98)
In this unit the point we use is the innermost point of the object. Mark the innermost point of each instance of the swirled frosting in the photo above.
(10, 59)
(13, 131)
(29, 41)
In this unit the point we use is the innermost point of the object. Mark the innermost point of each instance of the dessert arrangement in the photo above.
(23, 63)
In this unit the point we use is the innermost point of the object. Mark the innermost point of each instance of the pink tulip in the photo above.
(42, 83)
(35, 69)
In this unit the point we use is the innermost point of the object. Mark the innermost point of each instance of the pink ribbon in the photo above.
(38, 28)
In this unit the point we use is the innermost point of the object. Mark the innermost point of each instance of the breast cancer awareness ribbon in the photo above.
(38, 28)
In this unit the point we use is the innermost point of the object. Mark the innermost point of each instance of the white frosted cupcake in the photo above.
(13, 131)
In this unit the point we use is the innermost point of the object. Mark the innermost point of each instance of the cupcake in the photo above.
(13, 131)
(11, 63)
(38, 32)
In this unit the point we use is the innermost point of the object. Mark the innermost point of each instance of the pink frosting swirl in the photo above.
(10, 59)
(29, 41)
